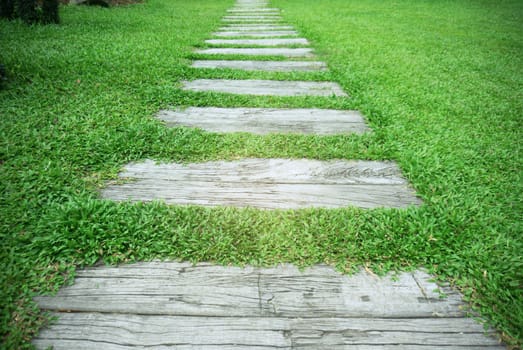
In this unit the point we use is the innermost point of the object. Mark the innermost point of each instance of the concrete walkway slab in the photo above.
(265, 87)
(285, 52)
(156, 305)
(258, 42)
(271, 66)
(267, 120)
(257, 34)
(267, 184)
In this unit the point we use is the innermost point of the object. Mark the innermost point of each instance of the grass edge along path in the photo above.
(440, 88)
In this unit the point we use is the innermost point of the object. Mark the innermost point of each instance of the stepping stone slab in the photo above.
(255, 28)
(252, 21)
(257, 12)
(267, 184)
(258, 42)
(279, 66)
(253, 17)
(264, 10)
(267, 120)
(260, 34)
(265, 87)
(285, 52)
(156, 305)
(250, 26)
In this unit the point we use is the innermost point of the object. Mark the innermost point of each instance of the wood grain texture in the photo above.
(285, 52)
(267, 184)
(255, 27)
(255, 332)
(267, 120)
(210, 290)
(258, 11)
(265, 87)
(258, 34)
(258, 42)
(272, 66)
(162, 305)
(253, 20)
(255, 17)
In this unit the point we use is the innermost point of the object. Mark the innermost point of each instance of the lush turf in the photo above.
(440, 82)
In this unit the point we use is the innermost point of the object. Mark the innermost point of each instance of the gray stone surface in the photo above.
(267, 120)
(255, 28)
(285, 52)
(253, 34)
(260, 10)
(258, 42)
(252, 21)
(267, 184)
(160, 305)
(242, 17)
(265, 87)
(280, 66)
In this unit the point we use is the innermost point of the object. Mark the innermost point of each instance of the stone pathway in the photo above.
(267, 120)
(172, 305)
(268, 184)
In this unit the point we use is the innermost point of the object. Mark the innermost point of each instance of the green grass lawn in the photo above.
(440, 82)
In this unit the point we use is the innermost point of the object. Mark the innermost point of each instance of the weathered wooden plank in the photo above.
(273, 66)
(259, 34)
(255, 27)
(258, 42)
(265, 87)
(247, 16)
(267, 120)
(285, 52)
(167, 304)
(106, 330)
(254, 12)
(271, 333)
(361, 295)
(171, 288)
(157, 331)
(260, 10)
(274, 170)
(253, 20)
(267, 183)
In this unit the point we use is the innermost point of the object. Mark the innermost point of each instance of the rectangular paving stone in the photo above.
(255, 12)
(180, 288)
(279, 66)
(265, 87)
(264, 10)
(258, 34)
(252, 21)
(255, 28)
(258, 42)
(267, 120)
(156, 304)
(267, 184)
(267, 16)
(103, 331)
(285, 52)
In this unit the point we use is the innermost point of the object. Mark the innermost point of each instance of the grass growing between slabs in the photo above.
(439, 82)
